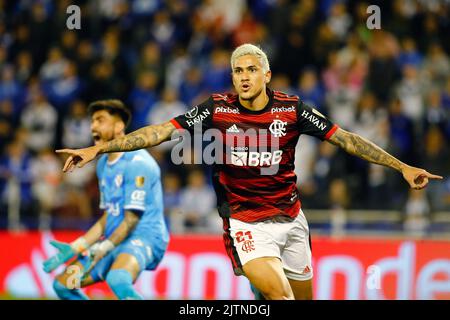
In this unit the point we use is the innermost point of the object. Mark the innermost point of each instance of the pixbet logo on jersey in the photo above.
(282, 109)
(226, 110)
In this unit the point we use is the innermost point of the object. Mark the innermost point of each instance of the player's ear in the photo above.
(268, 76)
(119, 127)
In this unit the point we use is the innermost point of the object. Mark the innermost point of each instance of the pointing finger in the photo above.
(68, 163)
(434, 176)
(64, 151)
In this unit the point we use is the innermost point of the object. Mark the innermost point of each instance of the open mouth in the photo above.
(96, 136)
(245, 87)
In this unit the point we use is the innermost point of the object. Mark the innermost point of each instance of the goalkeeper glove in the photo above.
(66, 252)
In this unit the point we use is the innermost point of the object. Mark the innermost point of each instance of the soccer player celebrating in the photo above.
(131, 236)
(266, 234)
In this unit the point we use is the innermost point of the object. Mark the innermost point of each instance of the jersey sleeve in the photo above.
(313, 123)
(198, 119)
(138, 182)
(101, 184)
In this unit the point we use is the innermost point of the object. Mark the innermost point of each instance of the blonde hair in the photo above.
(250, 49)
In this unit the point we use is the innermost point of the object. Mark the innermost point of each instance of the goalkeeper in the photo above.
(131, 236)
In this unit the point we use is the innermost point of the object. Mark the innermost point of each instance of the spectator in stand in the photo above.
(383, 72)
(46, 173)
(24, 63)
(436, 66)
(10, 88)
(282, 82)
(142, 98)
(339, 20)
(435, 155)
(163, 30)
(77, 126)
(177, 66)
(411, 91)
(172, 202)
(197, 214)
(192, 88)
(53, 68)
(16, 180)
(150, 60)
(7, 123)
(69, 44)
(310, 89)
(40, 119)
(166, 108)
(103, 82)
(217, 78)
(409, 55)
(66, 89)
(85, 58)
(402, 131)
(435, 114)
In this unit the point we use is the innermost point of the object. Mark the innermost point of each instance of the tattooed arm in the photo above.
(127, 225)
(130, 220)
(358, 146)
(142, 138)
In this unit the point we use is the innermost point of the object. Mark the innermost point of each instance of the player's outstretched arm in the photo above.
(145, 137)
(356, 145)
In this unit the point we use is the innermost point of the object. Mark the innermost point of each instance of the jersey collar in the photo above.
(110, 163)
(268, 105)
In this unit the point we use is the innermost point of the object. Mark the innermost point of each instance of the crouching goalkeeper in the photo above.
(131, 236)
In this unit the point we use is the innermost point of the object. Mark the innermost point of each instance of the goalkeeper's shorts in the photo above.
(148, 255)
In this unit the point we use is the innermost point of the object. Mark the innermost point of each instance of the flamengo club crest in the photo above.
(278, 128)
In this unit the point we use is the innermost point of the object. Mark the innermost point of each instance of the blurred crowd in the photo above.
(390, 85)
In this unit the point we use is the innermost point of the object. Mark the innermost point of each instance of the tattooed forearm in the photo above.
(142, 138)
(358, 146)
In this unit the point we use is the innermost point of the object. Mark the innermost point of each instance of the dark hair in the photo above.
(113, 106)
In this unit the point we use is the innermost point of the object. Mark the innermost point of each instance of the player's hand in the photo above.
(66, 252)
(417, 178)
(101, 251)
(78, 157)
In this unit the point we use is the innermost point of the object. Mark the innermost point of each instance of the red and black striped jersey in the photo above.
(254, 177)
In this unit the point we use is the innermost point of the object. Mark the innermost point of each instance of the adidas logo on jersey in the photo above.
(233, 129)
(226, 110)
